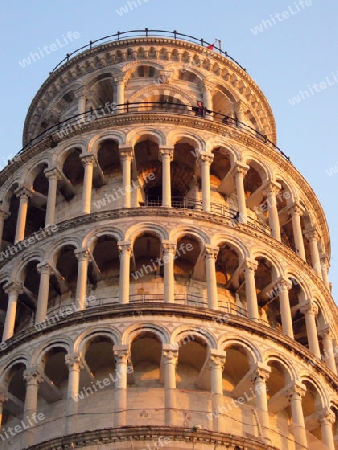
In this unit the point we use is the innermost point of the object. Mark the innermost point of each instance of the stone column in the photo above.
(261, 375)
(325, 269)
(125, 250)
(126, 155)
(296, 212)
(12, 289)
(284, 303)
(3, 399)
(83, 257)
(240, 172)
(327, 339)
(210, 261)
(81, 100)
(119, 80)
(23, 194)
(170, 358)
(42, 305)
(121, 353)
(32, 376)
(216, 364)
(295, 395)
(327, 418)
(271, 192)
(206, 160)
(88, 163)
(208, 99)
(169, 249)
(250, 289)
(167, 155)
(310, 310)
(53, 176)
(313, 238)
(75, 364)
(3, 216)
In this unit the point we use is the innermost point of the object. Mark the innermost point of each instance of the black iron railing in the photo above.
(146, 32)
(76, 122)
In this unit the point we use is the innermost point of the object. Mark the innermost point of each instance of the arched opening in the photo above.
(296, 296)
(312, 404)
(231, 295)
(222, 183)
(284, 203)
(63, 278)
(189, 270)
(192, 355)
(54, 386)
(14, 405)
(147, 162)
(27, 300)
(104, 270)
(9, 231)
(183, 174)
(3, 308)
(147, 272)
(254, 189)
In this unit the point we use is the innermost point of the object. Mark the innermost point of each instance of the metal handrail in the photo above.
(146, 32)
(79, 120)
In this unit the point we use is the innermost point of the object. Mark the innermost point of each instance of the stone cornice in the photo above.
(95, 314)
(248, 230)
(150, 434)
(106, 51)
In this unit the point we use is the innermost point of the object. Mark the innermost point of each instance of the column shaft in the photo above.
(285, 310)
(217, 361)
(24, 195)
(272, 211)
(126, 157)
(310, 310)
(53, 177)
(297, 231)
(170, 358)
(239, 178)
(262, 400)
(75, 364)
(167, 156)
(121, 363)
(81, 287)
(210, 260)
(13, 290)
(298, 417)
(250, 289)
(42, 304)
(169, 249)
(33, 378)
(3, 216)
(88, 162)
(206, 160)
(313, 238)
(124, 282)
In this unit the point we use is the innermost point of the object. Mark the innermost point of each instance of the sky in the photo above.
(295, 51)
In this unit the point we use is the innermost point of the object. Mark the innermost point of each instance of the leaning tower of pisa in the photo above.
(164, 266)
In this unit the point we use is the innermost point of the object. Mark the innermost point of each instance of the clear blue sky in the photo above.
(300, 49)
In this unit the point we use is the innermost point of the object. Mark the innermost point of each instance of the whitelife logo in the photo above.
(48, 49)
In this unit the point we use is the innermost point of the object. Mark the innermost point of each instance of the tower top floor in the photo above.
(150, 66)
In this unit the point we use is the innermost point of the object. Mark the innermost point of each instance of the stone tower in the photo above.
(164, 266)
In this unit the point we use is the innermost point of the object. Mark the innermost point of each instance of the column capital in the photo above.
(165, 75)
(326, 415)
(284, 283)
(309, 306)
(124, 246)
(208, 85)
(217, 359)
(206, 157)
(261, 372)
(13, 287)
(250, 264)
(53, 173)
(312, 234)
(83, 254)
(168, 246)
(271, 188)
(23, 192)
(82, 92)
(166, 152)
(74, 360)
(33, 374)
(240, 169)
(326, 331)
(3, 397)
(44, 267)
(296, 209)
(126, 153)
(119, 78)
(324, 259)
(121, 353)
(87, 159)
(211, 251)
(170, 353)
(296, 390)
